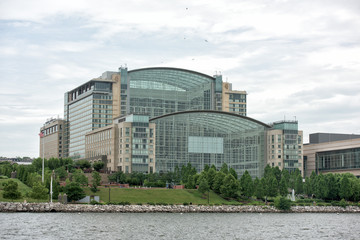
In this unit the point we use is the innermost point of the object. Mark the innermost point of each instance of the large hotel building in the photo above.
(154, 119)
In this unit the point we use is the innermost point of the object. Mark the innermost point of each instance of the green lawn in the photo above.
(169, 196)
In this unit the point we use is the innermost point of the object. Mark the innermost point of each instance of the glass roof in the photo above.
(223, 121)
(180, 79)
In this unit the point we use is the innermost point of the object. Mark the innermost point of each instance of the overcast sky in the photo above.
(296, 59)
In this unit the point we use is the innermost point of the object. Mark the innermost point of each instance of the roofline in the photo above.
(172, 68)
(211, 111)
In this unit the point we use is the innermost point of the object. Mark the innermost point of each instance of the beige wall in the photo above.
(52, 141)
(278, 150)
(311, 149)
(226, 91)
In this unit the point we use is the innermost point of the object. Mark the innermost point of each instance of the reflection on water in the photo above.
(178, 226)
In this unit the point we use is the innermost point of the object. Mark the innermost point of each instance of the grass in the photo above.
(168, 196)
(24, 189)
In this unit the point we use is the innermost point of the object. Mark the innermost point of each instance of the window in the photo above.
(279, 156)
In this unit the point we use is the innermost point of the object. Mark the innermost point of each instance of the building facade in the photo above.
(285, 146)
(232, 100)
(149, 91)
(332, 153)
(127, 145)
(51, 139)
(207, 137)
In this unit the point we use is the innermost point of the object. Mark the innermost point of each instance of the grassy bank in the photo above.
(168, 196)
(23, 189)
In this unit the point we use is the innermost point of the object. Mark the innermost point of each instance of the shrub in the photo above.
(282, 203)
(93, 202)
(343, 203)
(185, 203)
(151, 203)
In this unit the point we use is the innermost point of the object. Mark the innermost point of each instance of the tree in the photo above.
(307, 186)
(230, 187)
(39, 191)
(224, 169)
(79, 177)
(299, 185)
(271, 188)
(259, 188)
(283, 188)
(11, 190)
(98, 165)
(247, 185)
(218, 181)
(83, 164)
(211, 173)
(233, 172)
(190, 184)
(333, 187)
(203, 185)
(74, 191)
(345, 188)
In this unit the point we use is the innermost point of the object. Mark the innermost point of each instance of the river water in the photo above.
(179, 226)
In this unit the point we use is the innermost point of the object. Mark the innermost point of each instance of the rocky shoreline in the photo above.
(58, 207)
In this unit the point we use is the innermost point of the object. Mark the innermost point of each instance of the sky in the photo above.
(296, 59)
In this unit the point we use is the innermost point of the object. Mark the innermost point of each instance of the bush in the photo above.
(185, 203)
(282, 203)
(343, 203)
(93, 202)
(151, 203)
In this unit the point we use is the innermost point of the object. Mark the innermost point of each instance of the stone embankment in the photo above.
(58, 207)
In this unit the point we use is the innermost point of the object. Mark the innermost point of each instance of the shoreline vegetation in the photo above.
(82, 208)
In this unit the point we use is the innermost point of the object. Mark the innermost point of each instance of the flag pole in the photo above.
(51, 187)
(43, 153)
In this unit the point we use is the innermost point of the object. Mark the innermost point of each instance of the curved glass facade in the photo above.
(210, 137)
(159, 91)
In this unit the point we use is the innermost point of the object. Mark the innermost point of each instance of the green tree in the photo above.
(307, 186)
(79, 177)
(98, 165)
(61, 172)
(333, 187)
(224, 169)
(96, 179)
(345, 188)
(211, 173)
(321, 188)
(230, 187)
(233, 172)
(39, 191)
(299, 185)
(83, 164)
(259, 188)
(74, 191)
(203, 185)
(11, 190)
(271, 188)
(190, 184)
(218, 181)
(283, 188)
(247, 185)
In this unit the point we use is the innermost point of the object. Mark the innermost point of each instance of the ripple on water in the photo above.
(178, 226)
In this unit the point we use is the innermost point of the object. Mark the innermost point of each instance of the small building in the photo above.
(51, 139)
(332, 153)
(285, 146)
(127, 145)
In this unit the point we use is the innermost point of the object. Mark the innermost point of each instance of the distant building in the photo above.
(285, 146)
(51, 139)
(232, 100)
(330, 152)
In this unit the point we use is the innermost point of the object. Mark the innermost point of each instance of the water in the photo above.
(178, 226)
